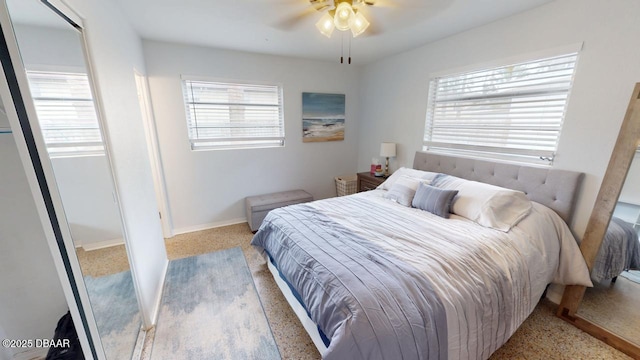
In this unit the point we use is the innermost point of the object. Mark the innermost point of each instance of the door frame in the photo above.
(155, 157)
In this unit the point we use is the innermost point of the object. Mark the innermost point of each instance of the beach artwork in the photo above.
(322, 117)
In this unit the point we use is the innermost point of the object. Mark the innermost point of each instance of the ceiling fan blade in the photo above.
(291, 22)
(321, 5)
(397, 3)
(381, 3)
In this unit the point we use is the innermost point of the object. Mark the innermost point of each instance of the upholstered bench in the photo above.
(258, 206)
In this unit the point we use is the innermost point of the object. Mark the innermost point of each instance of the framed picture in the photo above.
(322, 117)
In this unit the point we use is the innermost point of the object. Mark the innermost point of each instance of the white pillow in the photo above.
(403, 171)
(488, 205)
(403, 190)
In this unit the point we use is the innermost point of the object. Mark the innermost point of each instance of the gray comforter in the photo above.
(620, 250)
(384, 281)
(370, 304)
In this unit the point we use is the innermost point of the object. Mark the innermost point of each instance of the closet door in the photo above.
(67, 148)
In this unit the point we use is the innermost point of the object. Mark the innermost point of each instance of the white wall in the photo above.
(84, 182)
(31, 296)
(208, 188)
(394, 95)
(115, 51)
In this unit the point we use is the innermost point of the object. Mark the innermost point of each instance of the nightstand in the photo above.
(367, 181)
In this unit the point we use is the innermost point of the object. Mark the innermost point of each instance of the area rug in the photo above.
(210, 310)
(115, 308)
(633, 275)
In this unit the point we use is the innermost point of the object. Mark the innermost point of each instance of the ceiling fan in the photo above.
(343, 15)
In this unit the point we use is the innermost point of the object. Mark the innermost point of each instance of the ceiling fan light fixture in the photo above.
(358, 24)
(325, 25)
(344, 16)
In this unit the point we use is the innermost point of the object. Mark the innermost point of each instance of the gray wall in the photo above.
(86, 190)
(207, 188)
(394, 90)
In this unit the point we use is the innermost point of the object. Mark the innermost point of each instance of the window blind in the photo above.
(66, 113)
(512, 112)
(231, 115)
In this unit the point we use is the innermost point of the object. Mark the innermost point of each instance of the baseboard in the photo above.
(31, 354)
(102, 244)
(212, 225)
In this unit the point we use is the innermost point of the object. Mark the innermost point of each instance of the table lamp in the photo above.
(387, 150)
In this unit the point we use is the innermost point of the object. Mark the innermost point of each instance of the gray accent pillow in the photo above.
(434, 200)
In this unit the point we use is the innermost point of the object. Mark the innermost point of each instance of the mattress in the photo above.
(383, 281)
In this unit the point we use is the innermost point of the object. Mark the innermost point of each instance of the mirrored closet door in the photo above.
(53, 54)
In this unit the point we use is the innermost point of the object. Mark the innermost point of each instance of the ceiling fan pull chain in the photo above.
(349, 50)
(342, 48)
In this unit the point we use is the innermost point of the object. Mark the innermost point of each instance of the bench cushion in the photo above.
(258, 206)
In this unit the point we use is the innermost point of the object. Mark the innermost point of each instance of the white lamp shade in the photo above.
(358, 24)
(388, 149)
(343, 16)
(325, 25)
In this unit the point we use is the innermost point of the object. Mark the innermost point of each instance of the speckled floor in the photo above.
(103, 262)
(541, 336)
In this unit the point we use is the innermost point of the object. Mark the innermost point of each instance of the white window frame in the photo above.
(67, 148)
(447, 131)
(202, 142)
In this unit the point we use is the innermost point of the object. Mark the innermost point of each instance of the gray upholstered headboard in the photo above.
(556, 189)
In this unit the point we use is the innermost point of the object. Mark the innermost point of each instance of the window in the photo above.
(231, 115)
(66, 112)
(512, 112)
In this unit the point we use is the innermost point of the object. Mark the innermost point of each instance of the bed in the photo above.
(620, 251)
(370, 278)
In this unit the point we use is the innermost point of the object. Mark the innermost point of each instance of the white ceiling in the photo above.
(269, 26)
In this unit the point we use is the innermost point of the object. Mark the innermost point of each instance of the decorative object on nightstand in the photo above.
(375, 164)
(367, 181)
(387, 150)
